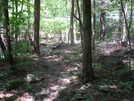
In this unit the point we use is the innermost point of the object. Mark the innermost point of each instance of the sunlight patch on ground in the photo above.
(5, 95)
(25, 97)
(68, 52)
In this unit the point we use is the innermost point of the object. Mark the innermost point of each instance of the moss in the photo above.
(14, 83)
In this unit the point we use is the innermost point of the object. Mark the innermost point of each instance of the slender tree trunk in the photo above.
(80, 23)
(87, 34)
(128, 33)
(6, 28)
(75, 21)
(72, 23)
(120, 25)
(16, 27)
(124, 10)
(67, 40)
(36, 25)
(94, 25)
(102, 22)
(3, 47)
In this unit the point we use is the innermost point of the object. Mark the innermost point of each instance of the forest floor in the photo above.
(58, 67)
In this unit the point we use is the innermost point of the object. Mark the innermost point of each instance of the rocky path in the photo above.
(54, 82)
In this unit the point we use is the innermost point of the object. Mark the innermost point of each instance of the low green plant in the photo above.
(67, 61)
(127, 84)
(88, 98)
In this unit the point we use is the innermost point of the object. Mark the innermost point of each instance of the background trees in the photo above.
(22, 25)
(79, 41)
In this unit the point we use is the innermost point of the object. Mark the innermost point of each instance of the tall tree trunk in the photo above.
(16, 26)
(128, 32)
(80, 22)
(94, 25)
(102, 21)
(72, 23)
(120, 25)
(3, 47)
(75, 21)
(67, 40)
(36, 25)
(124, 11)
(6, 28)
(87, 34)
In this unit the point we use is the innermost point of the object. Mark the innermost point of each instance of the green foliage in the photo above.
(123, 72)
(127, 84)
(68, 98)
(53, 26)
(14, 83)
(22, 46)
(67, 61)
(88, 98)
(24, 64)
(28, 87)
(96, 66)
(72, 72)
(12, 98)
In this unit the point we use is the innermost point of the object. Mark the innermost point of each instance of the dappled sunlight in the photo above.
(25, 97)
(68, 51)
(5, 95)
(57, 73)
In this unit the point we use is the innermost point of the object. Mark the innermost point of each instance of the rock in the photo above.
(14, 83)
(61, 90)
(45, 50)
(40, 96)
(106, 89)
(30, 78)
(86, 86)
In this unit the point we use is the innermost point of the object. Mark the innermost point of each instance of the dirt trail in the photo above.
(57, 83)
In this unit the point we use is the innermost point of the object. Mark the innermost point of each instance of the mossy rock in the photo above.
(14, 83)
(12, 98)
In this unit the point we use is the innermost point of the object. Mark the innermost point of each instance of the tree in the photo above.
(7, 30)
(72, 23)
(102, 21)
(87, 34)
(3, 47)
(36, 25)
(94, 24)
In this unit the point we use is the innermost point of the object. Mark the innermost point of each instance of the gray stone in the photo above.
(30, 78)
(61, 90)
(41, 96)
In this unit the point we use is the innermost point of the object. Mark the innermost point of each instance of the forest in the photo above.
(66, 50)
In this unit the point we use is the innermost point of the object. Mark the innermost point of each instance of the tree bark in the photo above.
(87, 34)
(94, 25)
(6, 28)
(36, 25)
(72, 23)
(102, 22)
(80, 23)
(3, 47)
